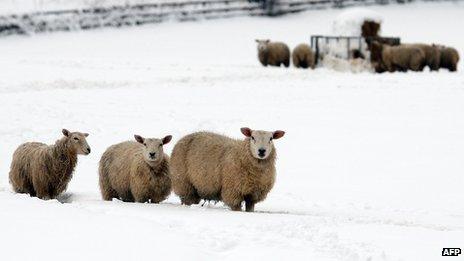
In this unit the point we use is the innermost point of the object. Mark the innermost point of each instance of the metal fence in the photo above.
(181, 10)
(343, 46)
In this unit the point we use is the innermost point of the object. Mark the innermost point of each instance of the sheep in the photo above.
(370, 29)
(303, 56)
(449, 57)
(400, 57)
(432, 55)
(136, 171)
(356, 54)
(273, 53)
(44, 170)
(210, 166)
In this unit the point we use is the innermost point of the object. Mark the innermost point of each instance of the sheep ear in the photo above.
(138, 138)
(86, 135)
(65, 132)
(267, 40)
(278, 134)
(167, 139)
(246, 131)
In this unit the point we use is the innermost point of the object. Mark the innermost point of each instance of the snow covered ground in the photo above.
(371, 167)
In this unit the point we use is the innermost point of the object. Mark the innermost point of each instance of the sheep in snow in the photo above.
(136, 171)
(432, 55)
(210, 166)
(370, 29)
(449, 58)
(45, 170)
(273, 53)
(303, 56)
(397, 58)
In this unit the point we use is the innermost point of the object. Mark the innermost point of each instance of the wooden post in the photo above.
(269, 7)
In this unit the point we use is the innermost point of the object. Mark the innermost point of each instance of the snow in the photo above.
(342, 65)
(370, 168)
(349, 22)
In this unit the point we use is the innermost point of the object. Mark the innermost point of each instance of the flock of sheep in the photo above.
(203, 165)
(383, 56)
(278, 53)
(414, 57)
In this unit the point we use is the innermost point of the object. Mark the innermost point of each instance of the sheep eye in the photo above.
(270, 139)
(252, 138)
(75, 138)
(145, 144)
(161, 145)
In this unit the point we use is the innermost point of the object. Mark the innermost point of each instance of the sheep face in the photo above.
(77, 141)
(262, 44)
(261, 142)
(153, 148)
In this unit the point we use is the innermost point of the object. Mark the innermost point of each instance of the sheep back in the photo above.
(303, 56)
(432, 55)
(209, 166)
(276, 53)
(403, 58)
(124, 174)
(41, 170)
(449, 58)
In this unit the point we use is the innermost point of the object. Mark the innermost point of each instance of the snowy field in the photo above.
(371, 167)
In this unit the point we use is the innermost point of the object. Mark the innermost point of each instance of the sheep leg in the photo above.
(286, 63)
(139, 190)
(140, 199)
(187, 192)
(42, 188)
(249, 204)
(232, 200)
(250, 207)
(156, 199)
(43, 194)
(190, 199)
(236, 207)
(24, 187)
(127, 197)
(107, 192)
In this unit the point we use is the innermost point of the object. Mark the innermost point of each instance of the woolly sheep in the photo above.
(273, 53)
(400, 57)
(449, 58)
(432, 55)
(303, 56)
(136, 171)
(45, 170)
(370, 29)
(210, 166)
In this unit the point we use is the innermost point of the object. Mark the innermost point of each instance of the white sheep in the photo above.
(209, 166)
(136, 171)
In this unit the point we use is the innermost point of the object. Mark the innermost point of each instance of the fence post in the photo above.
(269, 7)
(338, 3)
